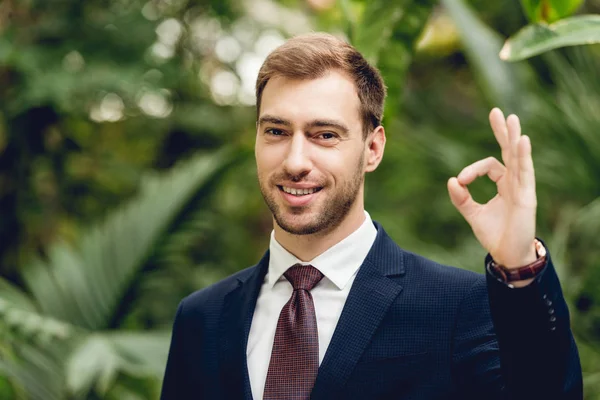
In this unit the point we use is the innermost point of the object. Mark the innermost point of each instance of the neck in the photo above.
(307, 247)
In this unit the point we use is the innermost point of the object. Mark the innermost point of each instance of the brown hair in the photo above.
(311, 56)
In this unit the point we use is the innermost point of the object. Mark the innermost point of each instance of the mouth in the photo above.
(299, 192)
(299, 198)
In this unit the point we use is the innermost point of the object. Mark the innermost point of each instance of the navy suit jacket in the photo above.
(410, 329)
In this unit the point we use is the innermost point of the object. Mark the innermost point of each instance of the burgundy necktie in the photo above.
(295, 357)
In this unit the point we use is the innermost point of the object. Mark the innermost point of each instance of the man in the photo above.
(335, 309)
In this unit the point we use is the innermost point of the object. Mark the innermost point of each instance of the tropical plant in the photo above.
(551, 27)
(62, 339)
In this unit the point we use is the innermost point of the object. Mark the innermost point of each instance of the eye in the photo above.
(327, 135)
(274, 132)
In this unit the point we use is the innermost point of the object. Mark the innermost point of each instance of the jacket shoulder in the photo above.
(211, 297)
(420, 271)
(426, 272)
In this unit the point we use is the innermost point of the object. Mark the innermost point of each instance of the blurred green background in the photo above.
(127, 178)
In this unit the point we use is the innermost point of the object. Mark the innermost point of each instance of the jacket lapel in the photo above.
(368, 302)
(234, 327)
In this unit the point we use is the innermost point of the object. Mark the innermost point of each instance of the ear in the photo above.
(374, 147)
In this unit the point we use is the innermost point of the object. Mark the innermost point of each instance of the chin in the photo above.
(305, 226)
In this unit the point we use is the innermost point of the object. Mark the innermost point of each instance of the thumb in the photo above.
(462, 199)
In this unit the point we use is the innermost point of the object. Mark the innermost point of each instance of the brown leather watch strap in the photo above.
(524, 272)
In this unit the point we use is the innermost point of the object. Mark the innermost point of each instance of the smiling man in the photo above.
(311, 158)
(335, 309)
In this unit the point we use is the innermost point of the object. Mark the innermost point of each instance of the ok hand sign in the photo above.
(505, 225)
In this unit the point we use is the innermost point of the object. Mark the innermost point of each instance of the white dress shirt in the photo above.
(339, 265)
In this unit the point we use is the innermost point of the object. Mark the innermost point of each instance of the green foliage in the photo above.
(103, 229)
(539, 38)
(563, 124)
(96, 361)
(86, 286)
(371, 31)
(79, 293)
(501, 82)
(549, 10)
(386, 33)
(398, 54)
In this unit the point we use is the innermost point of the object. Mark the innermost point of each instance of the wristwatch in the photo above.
(525, 272)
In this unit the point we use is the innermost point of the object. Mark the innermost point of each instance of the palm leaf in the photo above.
(37, 369)
(81, 285)
(33, 347)
(84, 284)
(567, 121)
(12, 296)
(97, 361)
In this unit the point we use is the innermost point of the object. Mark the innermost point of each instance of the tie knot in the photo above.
(303, 276)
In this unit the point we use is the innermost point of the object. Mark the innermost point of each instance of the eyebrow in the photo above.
(270, 119)
(318, 123)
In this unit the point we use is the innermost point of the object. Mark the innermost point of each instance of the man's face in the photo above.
(310, 152)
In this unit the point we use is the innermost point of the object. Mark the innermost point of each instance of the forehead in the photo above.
(333, 95)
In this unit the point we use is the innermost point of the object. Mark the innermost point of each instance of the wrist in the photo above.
(531, 257)
(523, 274)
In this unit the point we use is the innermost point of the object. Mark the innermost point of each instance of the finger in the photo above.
(488, 166)
(462, 199)
(526, 170)
(498, 124)
(514, 134)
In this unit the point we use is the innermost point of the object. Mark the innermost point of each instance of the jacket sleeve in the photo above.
(538, 355)
(516, 343)
(173, 382)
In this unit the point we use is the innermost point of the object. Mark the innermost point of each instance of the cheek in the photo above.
(341, 163)
(267, 159)
(261, 154)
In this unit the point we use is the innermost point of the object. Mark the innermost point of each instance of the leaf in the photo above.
(93, 361)
(539, 38)
(549, 10)
(147, 352)
(14, 296)
(502, 83)
(566, 119)
(33, 348)
(101, 357)
(38, 370)
(395, 59)
(84, 284)
(562, 8)
(32, 326)
(376, 25)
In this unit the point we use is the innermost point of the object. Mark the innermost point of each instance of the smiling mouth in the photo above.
(299, 192)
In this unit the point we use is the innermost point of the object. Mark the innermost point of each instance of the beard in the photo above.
(332, 210)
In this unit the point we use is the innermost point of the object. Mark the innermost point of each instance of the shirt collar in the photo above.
(338, 263)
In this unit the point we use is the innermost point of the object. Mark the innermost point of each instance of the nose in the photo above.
(297, 162)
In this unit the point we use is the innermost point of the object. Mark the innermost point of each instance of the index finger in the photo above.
(498, 124)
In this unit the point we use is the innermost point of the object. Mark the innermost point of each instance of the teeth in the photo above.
(299, 192)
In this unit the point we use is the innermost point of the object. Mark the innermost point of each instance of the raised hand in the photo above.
(505, 225)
